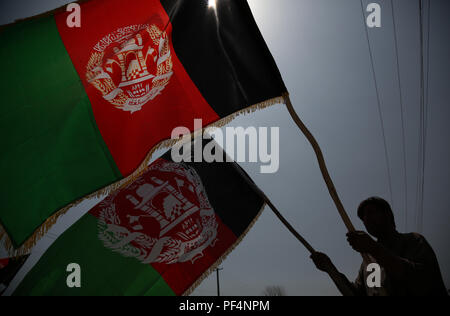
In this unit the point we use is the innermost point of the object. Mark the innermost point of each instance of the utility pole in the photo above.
(218, 283)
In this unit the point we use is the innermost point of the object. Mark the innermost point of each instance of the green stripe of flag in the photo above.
(51, 150)
(103, 272)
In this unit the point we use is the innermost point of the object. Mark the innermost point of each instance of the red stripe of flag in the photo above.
(130, 136)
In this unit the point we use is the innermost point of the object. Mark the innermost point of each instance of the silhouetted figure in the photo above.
(408, 263)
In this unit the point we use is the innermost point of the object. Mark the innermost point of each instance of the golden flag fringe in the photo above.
(224, 256)
(26, 247)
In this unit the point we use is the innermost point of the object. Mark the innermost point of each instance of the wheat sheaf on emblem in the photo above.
(163, 217)
(131, 66)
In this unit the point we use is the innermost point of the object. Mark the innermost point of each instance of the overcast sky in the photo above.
(321, 49)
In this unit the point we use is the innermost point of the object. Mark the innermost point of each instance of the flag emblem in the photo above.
(131, 66)
(164, 217)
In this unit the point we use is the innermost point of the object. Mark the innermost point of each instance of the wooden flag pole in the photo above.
(288, 226)
(322, 165)
(334, 275)
(274, 209)
(323, 168)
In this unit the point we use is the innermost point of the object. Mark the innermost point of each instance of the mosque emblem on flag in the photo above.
(163, 217)
(131, 66)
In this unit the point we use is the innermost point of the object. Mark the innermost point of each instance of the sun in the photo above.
(212, 4)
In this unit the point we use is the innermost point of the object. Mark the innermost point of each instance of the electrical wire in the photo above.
(379, 105)
(424, 104)
(402, 115)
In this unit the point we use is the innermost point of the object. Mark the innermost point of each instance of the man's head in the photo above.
(377, 216)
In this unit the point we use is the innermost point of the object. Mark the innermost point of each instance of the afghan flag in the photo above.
(84, 108)
(160, 235)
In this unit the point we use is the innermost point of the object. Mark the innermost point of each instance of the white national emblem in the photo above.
(164, 217)
(131, 66)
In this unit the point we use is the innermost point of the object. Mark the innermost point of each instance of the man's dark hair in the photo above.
(380, 204)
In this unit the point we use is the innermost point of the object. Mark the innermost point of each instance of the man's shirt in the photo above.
(422, 277)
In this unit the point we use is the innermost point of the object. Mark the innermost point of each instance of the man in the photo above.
(408, 263)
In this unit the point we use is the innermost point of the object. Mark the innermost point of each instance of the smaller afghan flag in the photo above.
(161, 235)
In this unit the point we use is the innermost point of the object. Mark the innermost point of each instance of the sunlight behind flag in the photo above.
(212, 4)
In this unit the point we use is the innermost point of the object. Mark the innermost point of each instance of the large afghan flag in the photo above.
(83, 108)
(160, 235)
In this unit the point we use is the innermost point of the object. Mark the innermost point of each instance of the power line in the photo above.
(420, 174)
(424, 100)
(217, 277)
(427, 98)
(402, 116)
(426, 108)
(427, 89)
(379, 104)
